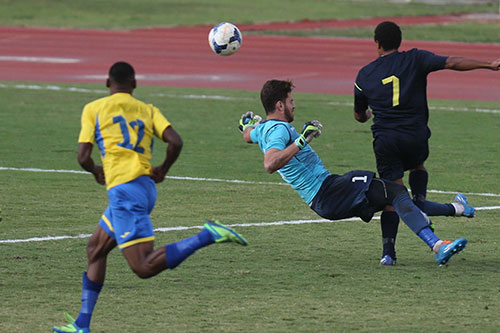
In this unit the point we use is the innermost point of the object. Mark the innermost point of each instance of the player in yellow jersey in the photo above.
(123, 128)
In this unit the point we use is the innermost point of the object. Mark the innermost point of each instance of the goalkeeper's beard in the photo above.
(289, 114)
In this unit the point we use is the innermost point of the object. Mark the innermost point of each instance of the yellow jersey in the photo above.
(123, 128)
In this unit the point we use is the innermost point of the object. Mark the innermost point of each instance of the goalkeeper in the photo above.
(356, 193)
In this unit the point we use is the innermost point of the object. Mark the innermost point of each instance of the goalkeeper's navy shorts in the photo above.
(344, 196)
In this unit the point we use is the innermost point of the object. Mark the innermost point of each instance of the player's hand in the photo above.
(99, 175)
(311, 130)
(368, 114)
(158, 174)
(248, 119)
(495, 65)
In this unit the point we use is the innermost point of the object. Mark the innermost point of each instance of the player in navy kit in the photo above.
(394, 88)
(332, 196)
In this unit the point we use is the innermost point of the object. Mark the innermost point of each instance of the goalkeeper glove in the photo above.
(311, 129)
(248, 119)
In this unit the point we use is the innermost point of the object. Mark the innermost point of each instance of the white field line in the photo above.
(39, 239)
(256, 224)
(262, 224)
(236, 181)
(431, 107)
(212, 97)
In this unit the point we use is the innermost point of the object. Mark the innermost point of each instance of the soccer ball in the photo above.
(225, 39)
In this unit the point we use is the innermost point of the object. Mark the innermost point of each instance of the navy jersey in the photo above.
(394, 87)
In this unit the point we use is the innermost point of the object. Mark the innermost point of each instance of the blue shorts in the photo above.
(341, 197)
(396, 154)
(126, 218)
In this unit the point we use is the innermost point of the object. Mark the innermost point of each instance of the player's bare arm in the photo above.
(87, 163)
(467, 64)
(275, 159)
(174, 141)
(246, 135)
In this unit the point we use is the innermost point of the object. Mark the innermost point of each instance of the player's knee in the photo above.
(93, 252)
(398, 189)
(395, 189)
(143, 271)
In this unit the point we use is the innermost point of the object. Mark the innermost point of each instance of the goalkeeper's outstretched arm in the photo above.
(246, 135)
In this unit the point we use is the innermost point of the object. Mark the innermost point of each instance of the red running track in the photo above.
(181, 57)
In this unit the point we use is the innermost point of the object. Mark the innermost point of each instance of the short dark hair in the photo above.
(388, 35)
(122, 73)
(274, 91)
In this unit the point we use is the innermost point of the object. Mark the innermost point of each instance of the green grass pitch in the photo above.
(309, 277)
(321, 277)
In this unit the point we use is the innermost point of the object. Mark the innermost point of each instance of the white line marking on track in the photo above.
(51, 60)
(53, 88)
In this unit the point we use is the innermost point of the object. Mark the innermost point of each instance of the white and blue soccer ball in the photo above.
(225, 39)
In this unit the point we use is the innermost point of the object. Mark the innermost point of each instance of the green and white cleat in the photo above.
(223, 234)
(71, 327)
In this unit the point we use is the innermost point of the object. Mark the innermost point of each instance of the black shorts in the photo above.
(396, 154)
(340, 196)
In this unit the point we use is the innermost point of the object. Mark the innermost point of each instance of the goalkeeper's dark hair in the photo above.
(388, 35)
(122, 73)
(274, 91)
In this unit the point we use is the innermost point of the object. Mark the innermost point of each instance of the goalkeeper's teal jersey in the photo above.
(305, 171)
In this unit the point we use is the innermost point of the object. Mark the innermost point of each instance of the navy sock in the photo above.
(432, 208)
(428, 236)
(418, 180)
(179, 251)
(90, 293)
(389, 222)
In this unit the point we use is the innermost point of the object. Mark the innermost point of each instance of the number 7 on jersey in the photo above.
(395, 88)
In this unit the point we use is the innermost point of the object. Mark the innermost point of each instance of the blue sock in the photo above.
(428, 236)
(432, 208)
(411, 215)
(90, 293)
(179, 251)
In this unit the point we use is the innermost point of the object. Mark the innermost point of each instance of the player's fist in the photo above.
(495, 65)
(99, 175)
(248, 119)
(158, 174)
(311, 130)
